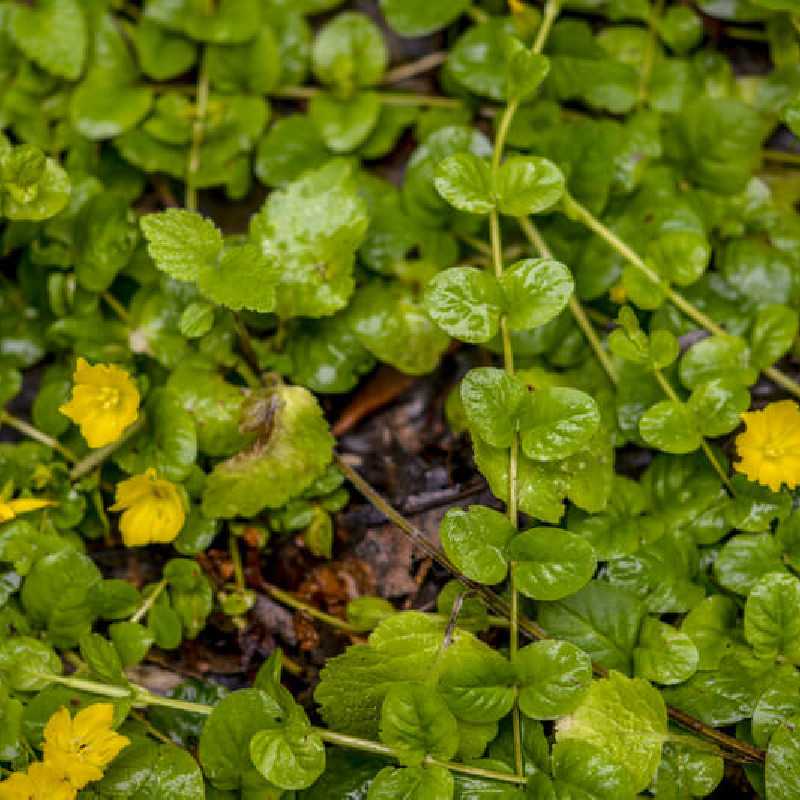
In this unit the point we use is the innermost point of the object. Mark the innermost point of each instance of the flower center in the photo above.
(108, 397)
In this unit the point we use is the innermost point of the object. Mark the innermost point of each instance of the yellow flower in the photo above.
(152, 509)
(82, 747)
(104, 402)
(12, 508)
(770, 445)
(42, 781)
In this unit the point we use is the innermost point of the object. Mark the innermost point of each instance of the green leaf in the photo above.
(492, 401)
(783, 761)
(132, 641)
(326, 354)
(23, 662)
(180, 242)
(551, 563)
(536, 290)
(190, 594)
(475, 539)
(603, 620)
(478, 60)
(254, 67)
(316, 220)
(33, 187)
(53, 34)
(392, 324)
(416, 721)
(716, 357)
(466, 303)
(294, 449)
(553, 678)
(168, 442)
(779, 702)
(290, 757)
(465, 181)
(404, 647)
(226, 22)
(478, 685)
(626, 719)
(145, 769)
(772, 617)
(556, 422)
(224, 751)
(744, 559)
(526, 71)
(664, 654)
(774, 330)
(412, 783)
(670, 426)
(344, 124)
(754, 506)
(711, 625)
(215, 405)
(291, 147)
(349, 51)
(418, 18)
(162, 54)
(687, 770)
(528, 185)
(717, 405)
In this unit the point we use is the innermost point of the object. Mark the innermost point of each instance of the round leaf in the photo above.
(291, 757)
(475, 539)
(492, 399)
(772, 617)
(536, 291)
(466, 303)
(465, 181)
(551, 563)
(556, 422)
(553, 678)
(670, 426)
(528, 185)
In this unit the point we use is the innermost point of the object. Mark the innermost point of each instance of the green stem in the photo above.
(781, 157)
(378, 749)
(38, 436)
(236, 560)
(149, 602)
(293, 602)
(746, 34)
(576, 211)
(550, 14)
(142, 697)
(672, 395)
(117, 307)
(97, 457)
(198, 132)
(578, 312)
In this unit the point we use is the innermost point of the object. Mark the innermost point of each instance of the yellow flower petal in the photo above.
(82, 747)
(104, 402)
(42, 781)
(769, 447)
(152, 509)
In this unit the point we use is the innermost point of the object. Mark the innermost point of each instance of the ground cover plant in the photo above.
(399, 399)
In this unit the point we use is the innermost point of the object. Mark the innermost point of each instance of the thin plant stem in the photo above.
(150, 728)
(290, 600)
(116, 307)
(198, 133)
(236, 560)
(734, 749)
(149, 602)
(576, 309)
(412, 69)
(550, 14)
(746, 34)
(781, 157)
(34, 433)
(672, 395)
(576, 211)
(142, 697)
(97, 457)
